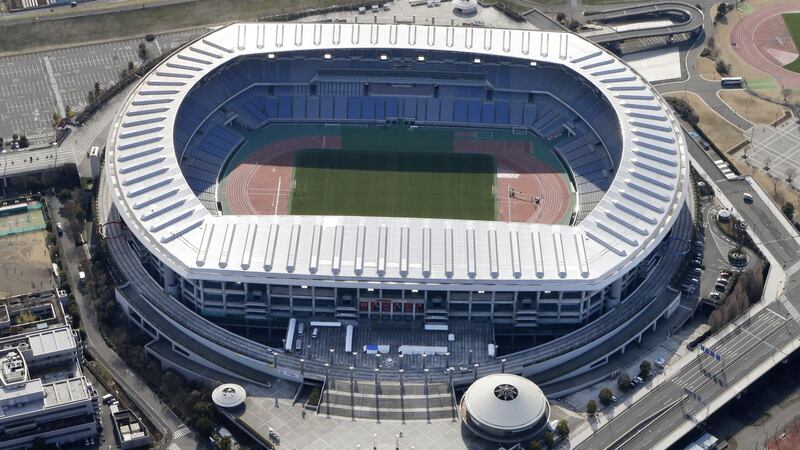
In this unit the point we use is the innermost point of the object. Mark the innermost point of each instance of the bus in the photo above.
(731, 82)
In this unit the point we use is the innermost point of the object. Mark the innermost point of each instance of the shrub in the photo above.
(788, 210)
(624, 382)
(563, 429)
(605, 396)
(644, 369)
(549, 439)
(591, 407)
(684, 110)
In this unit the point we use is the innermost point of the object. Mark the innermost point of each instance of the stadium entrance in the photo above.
(392, 309)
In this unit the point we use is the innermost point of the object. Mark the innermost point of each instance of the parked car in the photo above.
(748, 198)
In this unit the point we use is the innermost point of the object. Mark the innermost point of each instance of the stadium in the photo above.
(404, 175)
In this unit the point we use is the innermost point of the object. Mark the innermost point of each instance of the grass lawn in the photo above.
(792, 21)
(394, 184)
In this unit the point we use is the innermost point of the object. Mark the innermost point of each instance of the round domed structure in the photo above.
(465, 7)
(228, 395)
(504, 408)
(724, 215)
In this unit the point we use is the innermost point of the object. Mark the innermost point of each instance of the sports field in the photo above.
(792, 21)
(396, 171)
(394, 184)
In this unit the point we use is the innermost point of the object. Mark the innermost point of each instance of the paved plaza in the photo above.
(778, 148)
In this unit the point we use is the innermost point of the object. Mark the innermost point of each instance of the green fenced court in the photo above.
(31, 219)
(416, 183)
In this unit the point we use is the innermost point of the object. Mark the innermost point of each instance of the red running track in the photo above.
(262, 183)
(761, 40)
(517, 170)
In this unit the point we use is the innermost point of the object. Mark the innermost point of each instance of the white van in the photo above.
(747, 197)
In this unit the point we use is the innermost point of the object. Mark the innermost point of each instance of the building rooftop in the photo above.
(505, 402)
(51, 341)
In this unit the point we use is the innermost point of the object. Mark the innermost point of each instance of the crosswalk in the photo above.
(182, 431)
(725, 169)
(789, 307)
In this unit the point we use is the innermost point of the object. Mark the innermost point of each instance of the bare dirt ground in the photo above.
(24, 264)
(751, 107)
(724, 135)
(707, 69)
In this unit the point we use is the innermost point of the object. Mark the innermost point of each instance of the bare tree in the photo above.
(767, 162)
(790, 171)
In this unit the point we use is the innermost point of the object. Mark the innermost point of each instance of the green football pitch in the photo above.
(388, 182)
(792, 21)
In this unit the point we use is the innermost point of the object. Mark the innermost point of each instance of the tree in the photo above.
(224, 443)
(14, 137)
(563, 429)
(560, 17)
(130, 66)
(722, 10)
(605, 396)
(591, 407)
(534, 445)
(683, 109)
(142, 51)
(549, 439)
(790, 173)
(788, 210)
(25, 317)
(56, 118)
(644, 369)
(624, 382)
(723, 68)
(97, 89)
(23, 141)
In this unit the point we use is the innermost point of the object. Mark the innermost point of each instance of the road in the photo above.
(646, 423)
(147, 401)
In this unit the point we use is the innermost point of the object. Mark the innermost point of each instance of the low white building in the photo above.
(58, 405)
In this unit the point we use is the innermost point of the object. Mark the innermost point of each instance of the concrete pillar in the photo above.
(614, 295)
(170, 282)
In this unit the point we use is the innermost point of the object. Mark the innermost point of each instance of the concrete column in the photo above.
(170, 282)
(614, 295)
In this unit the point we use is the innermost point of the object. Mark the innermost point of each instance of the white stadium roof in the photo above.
(154, 199)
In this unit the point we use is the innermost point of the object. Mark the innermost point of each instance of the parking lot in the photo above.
(34, 86)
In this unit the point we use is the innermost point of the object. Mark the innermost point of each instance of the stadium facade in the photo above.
(624, 149)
